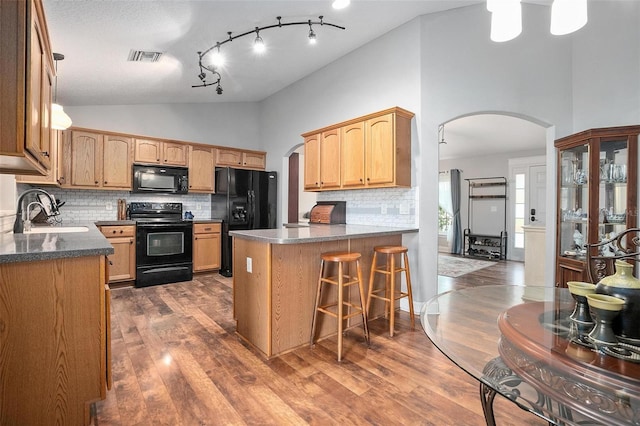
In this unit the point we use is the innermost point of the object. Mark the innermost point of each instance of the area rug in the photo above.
(453, 266)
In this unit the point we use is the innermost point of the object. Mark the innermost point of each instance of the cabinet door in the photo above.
(122, 266)
(380, 150)
(254, 160)
(206, 252)
(352, 155)
(174, 154)
(312, 162)
(201, 167)
(86, 159)
(228, 157)
(117, 162)
(51, 178)
(330, 159)
(147, 151)
(39, 79)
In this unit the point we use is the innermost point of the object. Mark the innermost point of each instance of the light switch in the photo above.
(249, 265)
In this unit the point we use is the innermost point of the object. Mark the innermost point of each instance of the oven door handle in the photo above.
(164, 225)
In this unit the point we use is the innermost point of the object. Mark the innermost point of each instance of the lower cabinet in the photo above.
(54, 340)
(122, 263)
(206, 246)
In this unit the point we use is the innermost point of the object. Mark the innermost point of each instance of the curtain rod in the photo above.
(447, 171)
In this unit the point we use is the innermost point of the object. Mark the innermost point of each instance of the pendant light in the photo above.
(59, 119)
(506, 19)
(568, 16)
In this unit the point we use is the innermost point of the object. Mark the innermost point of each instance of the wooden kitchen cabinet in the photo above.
(597, 194)
(54, 341)
(160, 152)
(95, 160)
(122, 263)
(241, 158)
(52, 175)
(206, 246)
(312, 162)
(373, 151)
(201, 168)
(321, 160)
(26, 78)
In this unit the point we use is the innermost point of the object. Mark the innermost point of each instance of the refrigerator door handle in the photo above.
(252, 206)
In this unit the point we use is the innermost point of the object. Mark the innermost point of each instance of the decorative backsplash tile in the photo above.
(385, 207)
(83, 205)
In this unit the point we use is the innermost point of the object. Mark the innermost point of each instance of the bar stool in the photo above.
(342, 281)
(390, 293)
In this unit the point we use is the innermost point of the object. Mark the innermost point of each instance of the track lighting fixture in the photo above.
(212, 60)
(441, 140)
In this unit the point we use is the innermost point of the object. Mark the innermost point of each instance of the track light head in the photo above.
(219, 89)
(312, 35)
(202, 76)
(258, 43)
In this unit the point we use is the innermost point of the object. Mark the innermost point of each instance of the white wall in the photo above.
(226, 124)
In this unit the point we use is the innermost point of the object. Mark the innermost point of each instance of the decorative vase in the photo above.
(581, 316)
(605, 309)
(625, 286)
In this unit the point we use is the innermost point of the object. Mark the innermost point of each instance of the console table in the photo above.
(517, 342)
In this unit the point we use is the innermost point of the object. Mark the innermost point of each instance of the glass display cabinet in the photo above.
(597, 194)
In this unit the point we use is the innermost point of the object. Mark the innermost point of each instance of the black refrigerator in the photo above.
(244, 199)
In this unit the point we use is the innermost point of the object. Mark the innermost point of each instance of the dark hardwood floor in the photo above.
(178, 361)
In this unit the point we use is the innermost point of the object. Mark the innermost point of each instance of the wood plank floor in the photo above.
(177, 361)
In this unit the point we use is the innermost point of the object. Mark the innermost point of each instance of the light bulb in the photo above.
(59, 119)
(258, 44)
(215, 58)
(312, 37)
(568, 16)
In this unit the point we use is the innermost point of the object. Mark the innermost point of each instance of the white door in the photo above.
(527, 205)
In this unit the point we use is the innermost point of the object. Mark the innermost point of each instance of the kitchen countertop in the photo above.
(47, 246)
(115, 222)
(318, 233)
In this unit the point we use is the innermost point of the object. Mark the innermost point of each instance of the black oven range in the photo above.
(164, 246)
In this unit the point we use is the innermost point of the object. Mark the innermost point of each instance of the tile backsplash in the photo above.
(385, 207)
(83, 205)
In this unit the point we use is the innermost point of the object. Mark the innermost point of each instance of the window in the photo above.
(519, 211)
(445, 210)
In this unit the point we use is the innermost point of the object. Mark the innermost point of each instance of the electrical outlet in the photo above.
(383, 209)
(109, 205)
(249, 265)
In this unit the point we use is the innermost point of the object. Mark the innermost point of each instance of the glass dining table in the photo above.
(519, 342)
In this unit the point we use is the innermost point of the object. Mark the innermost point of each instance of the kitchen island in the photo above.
(275, 273)
(54, 326)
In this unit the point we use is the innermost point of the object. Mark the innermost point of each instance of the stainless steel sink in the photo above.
(55, 229)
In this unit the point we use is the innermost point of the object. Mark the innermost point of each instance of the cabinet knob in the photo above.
(45, 153)
(360, 179)
(105, 182)
(368, 179)
(195, 238)
(157, 159)
(114, 231)
(96, 182)
(121, 231)
(207, 229)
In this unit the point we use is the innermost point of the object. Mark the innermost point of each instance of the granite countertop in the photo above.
(318, 233)
(46, 246)
(115, 222)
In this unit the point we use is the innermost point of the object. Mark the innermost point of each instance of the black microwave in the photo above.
(160, 179)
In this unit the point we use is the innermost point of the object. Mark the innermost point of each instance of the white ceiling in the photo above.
(96, 37)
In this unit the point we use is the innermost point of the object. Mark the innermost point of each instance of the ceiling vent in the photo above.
(143, 56)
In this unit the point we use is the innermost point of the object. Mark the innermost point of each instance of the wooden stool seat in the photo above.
(389, 270)
(339, 256)
(336, 309)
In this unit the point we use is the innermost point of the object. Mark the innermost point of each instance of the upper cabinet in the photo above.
(95, 160)
(368, 152)
(160, 152)
(597, 198)
(240, 158)
(52, 175)
(201, 168)
(26, 78)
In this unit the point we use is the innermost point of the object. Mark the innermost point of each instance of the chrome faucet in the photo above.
(18, 225)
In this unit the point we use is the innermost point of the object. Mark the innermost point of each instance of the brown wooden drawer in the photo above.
(207, 228)
(118, 230)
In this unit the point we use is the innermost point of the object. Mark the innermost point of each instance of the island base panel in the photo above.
(274, 302)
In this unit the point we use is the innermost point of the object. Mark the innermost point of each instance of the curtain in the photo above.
(456, 247)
